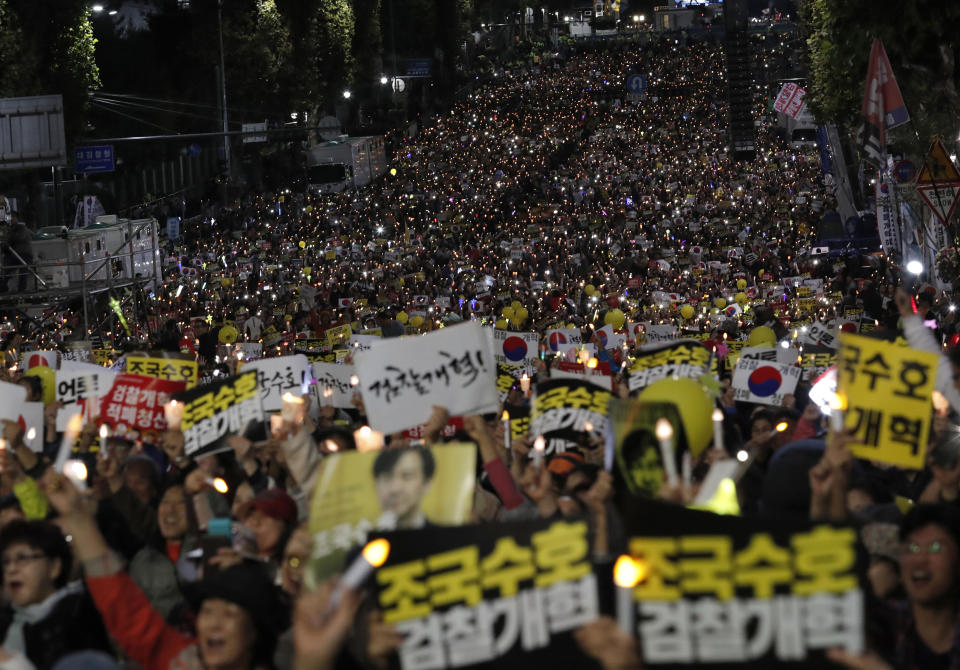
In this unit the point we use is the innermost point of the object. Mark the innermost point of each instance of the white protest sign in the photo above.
(512, 348)
(276, 376)
(31, 416)
(333, 387)
(661, 333)
(606, 338)
(402, 379)
(362, 342)
(782, 355)
(78, 382)
(764, 383)
(32, 359)
(818, 333)
(561, 339)
(12, 398)
(594, 376)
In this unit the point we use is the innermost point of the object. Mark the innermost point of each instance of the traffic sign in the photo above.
(938, 168)
(904, 171)
(254, 132)
(940, 198)
(637, 83)
(87, 160)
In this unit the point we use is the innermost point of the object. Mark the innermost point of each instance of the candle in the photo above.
(74, 426)
(31, 436)
(76, 471)
(525, 384)
(837, 405)
(291, 407)
(371, 557)
(104, 432)
(173, 412)
(664, 433)
(506, 429)
(367, 439)
(539, 446)
(718, 429)
(218, 483)
(626, 575)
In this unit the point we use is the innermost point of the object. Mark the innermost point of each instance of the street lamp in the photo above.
(383, 79)
(97, 8)
(915, 267)
(346, 94)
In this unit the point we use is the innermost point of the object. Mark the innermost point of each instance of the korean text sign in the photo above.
(724, 591)
(494, 596)
(562, 408)
(213, 411)
(887, 391)
(333, 384)
(401, 379)
(686, 358)
(279, 375)
(135, 403)
(172, 369)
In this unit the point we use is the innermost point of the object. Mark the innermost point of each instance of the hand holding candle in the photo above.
(664, 433)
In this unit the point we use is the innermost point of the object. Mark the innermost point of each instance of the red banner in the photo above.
(135, 402)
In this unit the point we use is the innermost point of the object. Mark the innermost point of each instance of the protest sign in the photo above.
(684, 358)
(406, 488)
(819, 334)
(562, 339)
(454, 423)
(212, 411)
(79, 383)
(562, 408)
(815, 360)
(763, 382)
(660, 333)
(276, 376)
(507, 376)
(31, 416)
(363, 342)
(247, 350)
(781, 355)
(135, 403)
(32, 359)
(171, 367)
(12, 398)
(523, 588)
(607, 338)
(512, 348)
(599, 375)
(887, 392)
(339, 335)
(724, 591)
(333, 387)
(402, 378)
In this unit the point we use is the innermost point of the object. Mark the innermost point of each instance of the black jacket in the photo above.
(74, 624)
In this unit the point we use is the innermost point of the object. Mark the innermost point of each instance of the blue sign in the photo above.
(904, 171)
(417, 67)
(173, 227)
(637, 83)
(93, 159)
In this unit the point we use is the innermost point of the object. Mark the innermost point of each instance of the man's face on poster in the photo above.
(401, 489)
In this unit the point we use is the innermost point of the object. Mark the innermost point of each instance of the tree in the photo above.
(50, 49)
(330, 65)
(259, 51)
(923, 47)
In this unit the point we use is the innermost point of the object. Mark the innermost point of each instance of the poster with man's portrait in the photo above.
(388, 489)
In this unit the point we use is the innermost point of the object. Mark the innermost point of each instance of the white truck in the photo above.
(348, 162)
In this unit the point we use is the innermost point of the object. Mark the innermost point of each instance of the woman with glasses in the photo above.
(46, 616)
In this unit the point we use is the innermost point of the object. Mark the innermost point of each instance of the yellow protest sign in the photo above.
(887, 392)
(159, 367)
(339, 335)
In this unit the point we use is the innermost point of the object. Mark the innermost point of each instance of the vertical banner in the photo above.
(498, 596)
(887, 225)
(887, 391)
(731, 592)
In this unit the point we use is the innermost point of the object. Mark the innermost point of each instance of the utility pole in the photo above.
(223, 89)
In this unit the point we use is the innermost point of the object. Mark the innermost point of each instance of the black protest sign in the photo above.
(213, 411)
(564, 409)
(724, 591)
(494, 596)
(687, 358)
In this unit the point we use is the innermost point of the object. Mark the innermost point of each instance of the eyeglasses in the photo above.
(20, 559)
(916, 548)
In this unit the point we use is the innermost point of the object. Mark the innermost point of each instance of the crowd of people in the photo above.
(548, 199)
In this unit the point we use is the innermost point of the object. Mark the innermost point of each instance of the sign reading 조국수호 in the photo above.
(887, 392)
(333, 387)
(402, 378)
(512, 348)
(170, 367)
(764, 382)
(725, 591)
(562, 408)
(213, 411)
(685, 358)
(498, 596)
(276, 376)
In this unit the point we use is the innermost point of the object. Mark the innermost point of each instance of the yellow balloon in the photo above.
(590, 289)
(416, 321)
(226, 282)
(228, 335)
(501, 324)
(617, 318)
(517, 306)
(762, 336)
(402, 317)
(48, 379)
(741, 298)
(693, 403)
(521, 316)
(720, 303)
(302, 244)
(686, 311)
(741, 284)
(307, 270)
(507, 313)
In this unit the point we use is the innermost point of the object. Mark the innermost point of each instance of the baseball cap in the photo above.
(276, 504)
